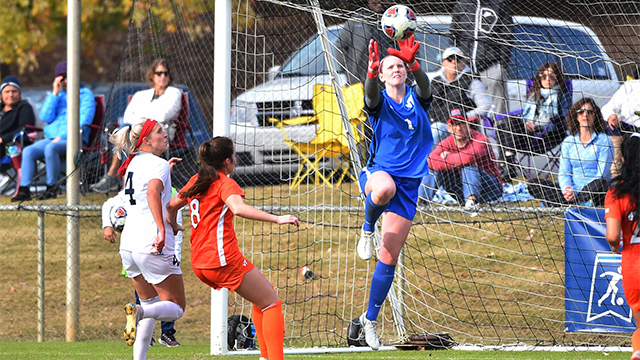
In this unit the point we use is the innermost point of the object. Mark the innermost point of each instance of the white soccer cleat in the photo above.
(131, 313)
(365, 244)
(370, 332)
(636, 355)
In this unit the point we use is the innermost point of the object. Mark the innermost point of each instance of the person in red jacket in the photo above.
(621, 213)
(464, 165)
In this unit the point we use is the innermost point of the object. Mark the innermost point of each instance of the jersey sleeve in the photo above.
(612, 207)
(108, 205)
(162, 172)
(230, 187)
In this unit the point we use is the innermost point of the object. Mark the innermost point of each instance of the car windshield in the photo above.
(433, 40)
(577, 52)
(574, 49)
(309, 60)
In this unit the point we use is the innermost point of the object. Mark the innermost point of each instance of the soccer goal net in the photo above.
(521, 269)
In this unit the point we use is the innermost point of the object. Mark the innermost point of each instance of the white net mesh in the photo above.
(496, 278)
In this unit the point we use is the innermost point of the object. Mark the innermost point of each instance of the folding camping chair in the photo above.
(93, 146)
(331, 140)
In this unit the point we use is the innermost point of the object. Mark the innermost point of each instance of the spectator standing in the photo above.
(54, 144)
(353, 41)
(542, 125)
(161, 103)
(464, 164)
(585, 161)
(622, 113)
(483, 29)
(621, 215)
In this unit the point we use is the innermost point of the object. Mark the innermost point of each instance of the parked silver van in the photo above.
(261, 147)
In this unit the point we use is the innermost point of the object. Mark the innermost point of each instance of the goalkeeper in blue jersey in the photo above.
(398, 160)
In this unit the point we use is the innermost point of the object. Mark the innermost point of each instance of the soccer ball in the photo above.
(118, 216)
(399, 22)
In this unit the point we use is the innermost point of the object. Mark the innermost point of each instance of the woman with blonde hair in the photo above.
(148, 248)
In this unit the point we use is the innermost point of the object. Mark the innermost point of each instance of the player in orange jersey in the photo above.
(621, 214)
(214, 198)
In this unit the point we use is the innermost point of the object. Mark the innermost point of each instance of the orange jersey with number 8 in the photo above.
(213, 238)
(622, 209)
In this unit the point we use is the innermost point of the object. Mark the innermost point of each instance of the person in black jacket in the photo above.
(353, 41)
(483, 30)
(15, 113)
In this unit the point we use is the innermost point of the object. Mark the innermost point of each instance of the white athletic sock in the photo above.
(143, 338)
(163, 311)
(144, 332)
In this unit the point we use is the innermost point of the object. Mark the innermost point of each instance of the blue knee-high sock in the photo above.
(372, 212)
(380, 284)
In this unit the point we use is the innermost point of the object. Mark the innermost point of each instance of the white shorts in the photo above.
(154, 268)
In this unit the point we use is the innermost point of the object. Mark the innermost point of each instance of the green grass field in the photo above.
(111, 351)
(499, 248)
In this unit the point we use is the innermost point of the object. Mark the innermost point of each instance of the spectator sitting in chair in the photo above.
(161, 103)
(623, 115)
(15, 113)
(585, 162)
(542, 126)
(455, 87)
(464, 165)
(54, 144)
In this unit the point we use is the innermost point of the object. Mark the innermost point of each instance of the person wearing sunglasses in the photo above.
(161, 103)
(622, 113)
(541, 126)
(453, 87)
(54, 145)
(585, 161)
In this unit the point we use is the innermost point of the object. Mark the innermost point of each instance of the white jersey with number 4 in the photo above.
(141, 230)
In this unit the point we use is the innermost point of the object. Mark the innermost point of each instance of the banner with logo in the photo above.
(594, 299)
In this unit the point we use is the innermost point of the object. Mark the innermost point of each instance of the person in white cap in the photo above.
(453, 87)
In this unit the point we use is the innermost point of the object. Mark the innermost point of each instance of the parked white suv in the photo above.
(260, 145)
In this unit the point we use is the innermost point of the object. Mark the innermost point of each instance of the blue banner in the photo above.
(594, 299)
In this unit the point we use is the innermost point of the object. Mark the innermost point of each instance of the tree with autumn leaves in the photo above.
(29, 28)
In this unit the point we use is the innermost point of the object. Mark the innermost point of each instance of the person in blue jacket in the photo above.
(54, 144)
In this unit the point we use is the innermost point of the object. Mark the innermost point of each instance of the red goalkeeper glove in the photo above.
(374, 60)
(407, 53)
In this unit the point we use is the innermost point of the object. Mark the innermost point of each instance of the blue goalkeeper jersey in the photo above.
(401, 135)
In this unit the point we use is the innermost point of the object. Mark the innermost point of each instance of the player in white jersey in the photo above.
(147, 249)
(168, 327)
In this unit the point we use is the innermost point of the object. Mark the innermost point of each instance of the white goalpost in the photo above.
(521, 274)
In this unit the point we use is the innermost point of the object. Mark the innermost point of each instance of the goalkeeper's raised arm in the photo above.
(398, 160)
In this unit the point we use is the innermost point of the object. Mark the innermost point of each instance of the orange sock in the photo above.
(256, 317)
(273, 325)
(635, 340)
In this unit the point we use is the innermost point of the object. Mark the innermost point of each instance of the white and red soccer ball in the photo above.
(118, 217)
(399, 22)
